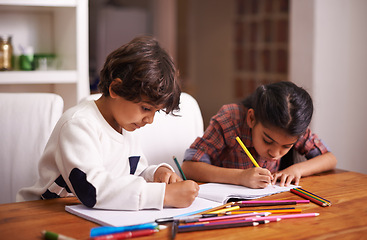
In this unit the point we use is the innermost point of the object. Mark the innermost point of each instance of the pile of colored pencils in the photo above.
(312, 197)
(237, 214)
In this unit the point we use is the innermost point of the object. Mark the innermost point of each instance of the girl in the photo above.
(273, 124)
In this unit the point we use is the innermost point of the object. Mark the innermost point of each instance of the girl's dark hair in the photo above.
(145, 69)
(283, 105)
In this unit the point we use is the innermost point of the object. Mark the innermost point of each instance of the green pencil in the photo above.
(179, 168)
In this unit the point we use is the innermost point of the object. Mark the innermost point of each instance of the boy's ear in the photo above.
(114, 82)
(250, 118)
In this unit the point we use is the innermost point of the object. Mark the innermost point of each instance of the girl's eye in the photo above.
(267, 142)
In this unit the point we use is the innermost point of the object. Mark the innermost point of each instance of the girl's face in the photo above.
(270, 142)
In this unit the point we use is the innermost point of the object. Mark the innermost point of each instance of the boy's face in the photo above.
(131, 115)
(271, 143)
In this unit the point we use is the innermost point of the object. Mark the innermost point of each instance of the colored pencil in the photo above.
(301, 189)
(179, 168)
(226, 209)
(269, 211)
(247, 152)
(245, 215)
(301, 215)
(264, 204)
(215, 208)
(126, 235)
(273, 201)
(311, 198)
(264, 209)
(212, 226)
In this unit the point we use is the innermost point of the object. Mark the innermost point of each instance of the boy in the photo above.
(92, 153)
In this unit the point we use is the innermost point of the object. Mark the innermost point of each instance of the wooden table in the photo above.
(345, 219)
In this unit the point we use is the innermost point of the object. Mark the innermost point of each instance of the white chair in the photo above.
(26, 123)
(169, 135)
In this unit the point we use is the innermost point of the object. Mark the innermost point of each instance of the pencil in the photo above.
(265, 204)
(312, 199)
(201, 227)
(271, 201)
(229, 209)
(237, 216)
(179, 168)
(314, 195)
(247, 152)
(215, 208)
(300, 215)
(269, 211)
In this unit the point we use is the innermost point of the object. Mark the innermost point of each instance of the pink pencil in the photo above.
(286, 216)
(263, 214)
(274, 201)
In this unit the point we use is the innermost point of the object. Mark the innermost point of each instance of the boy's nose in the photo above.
(149, 119)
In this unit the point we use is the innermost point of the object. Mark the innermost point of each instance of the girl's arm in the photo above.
(312, 166)
(204, 172)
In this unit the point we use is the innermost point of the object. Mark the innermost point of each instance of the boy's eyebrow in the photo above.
(276, 141)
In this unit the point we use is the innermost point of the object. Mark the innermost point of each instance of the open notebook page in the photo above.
(222, 192)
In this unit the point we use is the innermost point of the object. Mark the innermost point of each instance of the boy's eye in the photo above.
(145, 108)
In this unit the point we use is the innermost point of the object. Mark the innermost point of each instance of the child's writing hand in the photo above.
(287, 176)
(164, 174)
(180, 194)
(255, 177)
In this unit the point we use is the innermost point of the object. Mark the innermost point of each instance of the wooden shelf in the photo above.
(38, 77)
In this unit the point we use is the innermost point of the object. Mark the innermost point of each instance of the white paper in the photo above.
(222, 192)
(126, 218)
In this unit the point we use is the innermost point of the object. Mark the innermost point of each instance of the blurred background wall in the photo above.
(224, 49)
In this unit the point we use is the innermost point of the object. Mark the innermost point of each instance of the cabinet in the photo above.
(59, 27)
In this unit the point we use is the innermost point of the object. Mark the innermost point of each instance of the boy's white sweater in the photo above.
(93, 161)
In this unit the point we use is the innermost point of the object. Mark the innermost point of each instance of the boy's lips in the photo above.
(138, 126)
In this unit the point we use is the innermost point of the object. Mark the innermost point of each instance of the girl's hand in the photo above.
(255, 177)
(287, 176)
(165, 175)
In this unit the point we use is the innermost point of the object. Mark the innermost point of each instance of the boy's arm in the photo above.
(321, 163)
(203, 172)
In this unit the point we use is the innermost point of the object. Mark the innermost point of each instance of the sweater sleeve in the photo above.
(99, 181)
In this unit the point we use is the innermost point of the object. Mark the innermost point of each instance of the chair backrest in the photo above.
(169, 135)
(26, 123)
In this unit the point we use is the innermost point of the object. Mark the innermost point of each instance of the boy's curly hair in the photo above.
(145, 69)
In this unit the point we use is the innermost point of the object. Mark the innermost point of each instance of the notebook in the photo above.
(221, 193)
(210, 195)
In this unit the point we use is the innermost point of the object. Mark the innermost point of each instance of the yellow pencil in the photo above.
(247, 152)
(225, 210)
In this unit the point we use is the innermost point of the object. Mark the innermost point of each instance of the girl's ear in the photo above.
(116, 81)
(250, 118)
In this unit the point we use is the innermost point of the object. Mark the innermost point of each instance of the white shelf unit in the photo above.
(59, 27)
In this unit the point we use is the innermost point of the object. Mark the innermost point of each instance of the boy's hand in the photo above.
(287, 176)
(181, 194)
(255, 177)
(164, 174)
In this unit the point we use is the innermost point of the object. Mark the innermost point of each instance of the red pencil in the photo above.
(125, 235)
(321, 203)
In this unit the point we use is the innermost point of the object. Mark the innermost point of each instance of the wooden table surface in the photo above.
(345, 219)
